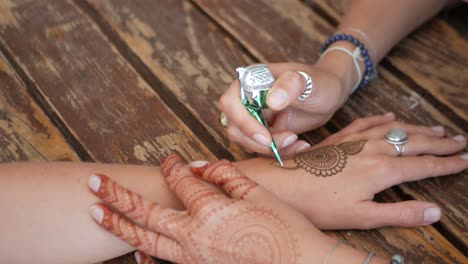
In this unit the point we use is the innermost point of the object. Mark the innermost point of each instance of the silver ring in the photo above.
(308, 86)
(223, 119)
(397, 137)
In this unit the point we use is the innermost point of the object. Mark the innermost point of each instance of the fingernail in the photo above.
(303, 147)
(389, 115)
(459, 138)
(96, 213)
(431, 215)
(438, 129)
(289, 140)
(198, 163)
(261, 139)
(464, 156)
(94, 182)
(277, 97)
(137, 257)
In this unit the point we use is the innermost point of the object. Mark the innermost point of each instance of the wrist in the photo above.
(342, 66)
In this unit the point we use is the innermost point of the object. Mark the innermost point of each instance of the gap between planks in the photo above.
(155, 83)
(40, 100)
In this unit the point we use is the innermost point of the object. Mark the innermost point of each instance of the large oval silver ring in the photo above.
(398, 138)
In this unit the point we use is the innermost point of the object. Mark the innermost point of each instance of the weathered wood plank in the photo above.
(434, 56)
(184, 49)
(107, 106)
(241, 18)
(26, 133)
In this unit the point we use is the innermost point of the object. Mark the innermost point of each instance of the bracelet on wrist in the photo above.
(360, 54)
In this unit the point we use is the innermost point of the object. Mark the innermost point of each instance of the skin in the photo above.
(334, 76)
(49, 201)
(250, 225)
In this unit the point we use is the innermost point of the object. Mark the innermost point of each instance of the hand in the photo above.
(251, 227)
(286, 115)
(334, 182)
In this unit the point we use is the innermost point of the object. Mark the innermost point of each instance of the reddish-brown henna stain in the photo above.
(214, 230)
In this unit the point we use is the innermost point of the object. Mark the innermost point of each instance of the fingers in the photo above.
(240, 118)
(362, 124)
(229, 178)
(142, 258)
(380, 131)
(224, 175)
(142, 239)
(406, 169)
(285, 90)
(134, 207)
(190, 190)
(421, 144)
(404, 214)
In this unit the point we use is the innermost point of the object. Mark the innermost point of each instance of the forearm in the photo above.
(384, 23)
(44, 210)
(387, 22)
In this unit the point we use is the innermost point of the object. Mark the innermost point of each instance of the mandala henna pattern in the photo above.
(327, 160)
(257, 235)
(217, 231)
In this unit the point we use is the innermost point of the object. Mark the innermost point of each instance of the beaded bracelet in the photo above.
(369, 72)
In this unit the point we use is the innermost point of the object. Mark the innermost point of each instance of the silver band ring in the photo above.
(308, 86)
(223, 119)
(398, 138)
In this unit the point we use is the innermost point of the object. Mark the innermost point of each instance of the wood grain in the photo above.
(186, 51)
(107, 106)
(388, 93)
(435, 57)
(26, 133)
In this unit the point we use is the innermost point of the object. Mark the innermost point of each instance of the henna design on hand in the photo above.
(327, 160)
(230, 179)
(255, 235)
(214, 229)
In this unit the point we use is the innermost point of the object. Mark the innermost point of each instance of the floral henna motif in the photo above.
(255, 235)
(352, 148)
(327, 160)
(220, 230)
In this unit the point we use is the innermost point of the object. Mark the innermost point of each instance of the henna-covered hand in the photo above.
(334, 182)
(252, 227)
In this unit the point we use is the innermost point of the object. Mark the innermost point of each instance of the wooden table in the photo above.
(132, 81)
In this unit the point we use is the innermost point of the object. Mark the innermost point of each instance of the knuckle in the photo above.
(293, 79)
(382, 164)
(406, 216)
(223, 101)
(395, 124)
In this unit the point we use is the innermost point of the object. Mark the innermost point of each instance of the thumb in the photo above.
(403, 214)
(285, 90)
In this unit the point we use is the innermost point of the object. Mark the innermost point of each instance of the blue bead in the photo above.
(368, 63)
(363, 51)
(355, 42)
(348, 37)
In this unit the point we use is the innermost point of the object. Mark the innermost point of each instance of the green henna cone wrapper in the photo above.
(255, 81)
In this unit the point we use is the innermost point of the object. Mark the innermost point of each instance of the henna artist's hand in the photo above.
(251, 227)
(334, 182)
(286, 115)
